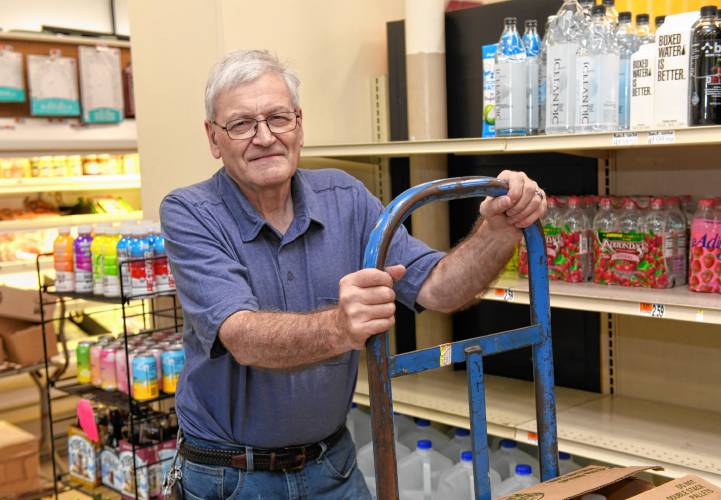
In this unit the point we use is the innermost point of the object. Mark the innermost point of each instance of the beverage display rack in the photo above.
(141, 314)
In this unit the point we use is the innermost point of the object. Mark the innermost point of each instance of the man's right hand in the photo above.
(366, 304)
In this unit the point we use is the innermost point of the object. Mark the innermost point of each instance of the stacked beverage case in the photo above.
(582, 76)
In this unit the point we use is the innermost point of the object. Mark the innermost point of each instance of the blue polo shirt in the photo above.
(226, 258)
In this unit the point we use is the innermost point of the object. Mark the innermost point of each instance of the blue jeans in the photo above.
(333, 476)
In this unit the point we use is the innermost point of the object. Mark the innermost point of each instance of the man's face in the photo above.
(266, 160)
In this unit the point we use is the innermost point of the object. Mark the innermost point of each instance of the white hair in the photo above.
(244, 66)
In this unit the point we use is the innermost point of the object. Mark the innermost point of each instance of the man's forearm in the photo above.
(280, 340)
(468, 269)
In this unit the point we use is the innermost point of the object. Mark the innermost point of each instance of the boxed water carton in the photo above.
(673, 58)
(643, 76)
(489, 90)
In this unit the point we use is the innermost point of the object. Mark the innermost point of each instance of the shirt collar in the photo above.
(306, 206)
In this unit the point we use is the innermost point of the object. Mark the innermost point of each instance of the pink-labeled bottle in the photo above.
(705, 265)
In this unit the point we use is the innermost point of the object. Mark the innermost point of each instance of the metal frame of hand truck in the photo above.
(382, 366)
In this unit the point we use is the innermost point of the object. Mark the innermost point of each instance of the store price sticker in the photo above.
(699, 315)
(624, 139)
(651, 310)
(527, 437)
(504, 294)
(662, 137)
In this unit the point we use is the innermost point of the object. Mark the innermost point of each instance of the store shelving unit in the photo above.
(66, 220)
(11, 187)
(606, 427)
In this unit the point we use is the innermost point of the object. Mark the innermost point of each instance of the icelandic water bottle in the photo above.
(511, 82)
(611, 12)
(566, 463)
(532, 44)
(457, 482)
(460, 441)
(644, 34)
(420, 472)
(542, 82)
(566, 30)
(626, 40)
(505, 459)
(587, 5)
(522, 478)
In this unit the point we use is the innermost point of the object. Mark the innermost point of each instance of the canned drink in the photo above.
(107, 368)
(95, 376)
(82, 354)
(173, 361)
(145, 377)
(158, 354)
(121, 370)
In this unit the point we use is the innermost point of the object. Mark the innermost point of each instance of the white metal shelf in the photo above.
(674, 303)
(596, 144)
(56, 184)
(66, 220)
(26, 36)
(612, 429)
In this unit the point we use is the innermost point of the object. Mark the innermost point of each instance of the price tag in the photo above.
(651, 310)
(504, 294)
(662, 137)
(699, 315)
(446, 354)
(532, 437)
(624, 139)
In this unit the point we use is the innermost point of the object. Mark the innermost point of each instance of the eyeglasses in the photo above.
(246, 128)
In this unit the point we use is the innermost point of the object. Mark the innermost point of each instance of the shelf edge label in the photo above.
(662, 137)
(624, 139)
(651, 310)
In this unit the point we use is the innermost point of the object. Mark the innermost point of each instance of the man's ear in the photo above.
(211, 132)
(300, 126)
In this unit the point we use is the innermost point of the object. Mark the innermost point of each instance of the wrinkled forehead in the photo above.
(266, 94)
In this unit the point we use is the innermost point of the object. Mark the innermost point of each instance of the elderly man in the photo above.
(267, 261)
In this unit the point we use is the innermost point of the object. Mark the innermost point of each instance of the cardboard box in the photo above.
(673, 57)
(22, 303)
(643, 79)
(19, 460)
(617, 483)
(23, 341)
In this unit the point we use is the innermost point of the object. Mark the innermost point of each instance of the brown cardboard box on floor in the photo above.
(19, 460)
(22, 303)
(617, 483)
(24, 343)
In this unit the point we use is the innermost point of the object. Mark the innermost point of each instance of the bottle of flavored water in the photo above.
(111, 274)
(522, 478)
(576, 237)
(705, 76)
(611, 12)
(552, 230)
(63, 261)
(420, 472)
(123, 251)
(532, 44)
(139, 251)
(661, 244)
(705, 244)
(626, 40)
(644, 34)
(83, 260)
(457, 482)
(164, 280)
(460, 441)
(542, 82)
(511, 82)
(97, 250)
(566, 30)
(603, 222)
(597, 73)
(679, 227)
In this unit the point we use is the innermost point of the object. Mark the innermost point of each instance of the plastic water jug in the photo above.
(566, 463)
(461, 441)
(420, 472)
(505, 459)
(366, 463)
(423, 430)
(359, 426)
(457, 482)
(522, 478)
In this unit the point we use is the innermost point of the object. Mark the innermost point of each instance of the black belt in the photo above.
(275, 460)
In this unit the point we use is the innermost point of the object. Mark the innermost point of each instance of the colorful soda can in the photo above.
(173, 361)
(157, 354)
(107, 368)
(145, 377)
(95, 375)
(121, 370)
(82, 354)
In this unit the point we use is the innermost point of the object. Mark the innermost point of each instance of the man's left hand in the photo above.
(524, 204)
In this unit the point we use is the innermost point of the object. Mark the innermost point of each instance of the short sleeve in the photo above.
(418, 258)
(211, 283)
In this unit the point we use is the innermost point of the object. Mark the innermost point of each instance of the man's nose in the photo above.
(263, 135)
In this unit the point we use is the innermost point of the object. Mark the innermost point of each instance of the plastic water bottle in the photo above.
(460, 442)
(542, 82)
(511, 82)
(366, 462)
(597, 76)
(111, 276)
(611, 12)
(420, 472)
(83, 260)
(705, 104)
(644, 34)
(457, 482)
(424, 430)
(97, 251)
(359, 426)
(123, 250)
(576, 231)
(566, 463)
(63, 261)
(705, 242)
(658, 21)
(657, 225)
(587, 5)
(532, 45)
(626, 39)
(505, 459)
(522, 478)
(164, 280)
(678, 224)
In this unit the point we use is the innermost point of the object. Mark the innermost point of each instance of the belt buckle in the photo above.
(298, 466)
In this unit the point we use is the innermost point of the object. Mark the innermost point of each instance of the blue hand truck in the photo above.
(382, 367)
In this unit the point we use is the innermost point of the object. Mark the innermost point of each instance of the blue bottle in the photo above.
(532, 44)
(123, 249)
(511, 82)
